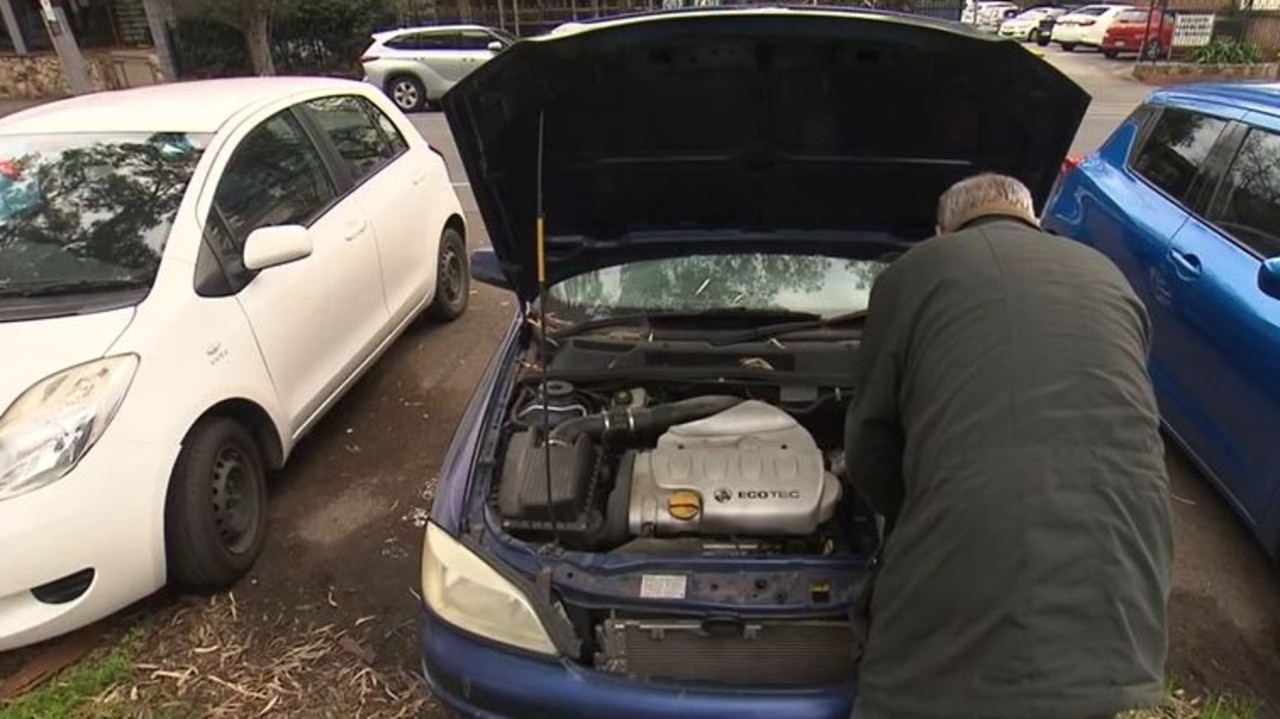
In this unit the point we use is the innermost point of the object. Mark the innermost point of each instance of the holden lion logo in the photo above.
(723, 495)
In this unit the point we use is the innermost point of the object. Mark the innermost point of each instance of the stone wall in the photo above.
(40, 76)
(1177, 73)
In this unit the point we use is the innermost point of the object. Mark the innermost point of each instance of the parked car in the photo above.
(1026, 25)
(1130, 29)
(416, 66)
(1185, 198)
(975, 11)
(691, 552)
(1046, 24)
(991, 14)
(1086, 26)
(191, 275)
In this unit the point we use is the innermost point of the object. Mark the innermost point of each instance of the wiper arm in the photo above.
(770, 331)
(644, 318)
(61, 287)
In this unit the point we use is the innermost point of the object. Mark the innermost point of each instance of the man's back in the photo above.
(1026, 574)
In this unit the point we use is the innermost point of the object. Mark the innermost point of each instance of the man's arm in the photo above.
(873, 432)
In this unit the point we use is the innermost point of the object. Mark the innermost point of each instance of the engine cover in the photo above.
(750, 470)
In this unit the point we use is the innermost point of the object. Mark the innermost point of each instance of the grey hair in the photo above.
(983, 195)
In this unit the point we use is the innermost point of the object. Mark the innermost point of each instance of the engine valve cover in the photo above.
(755, 469)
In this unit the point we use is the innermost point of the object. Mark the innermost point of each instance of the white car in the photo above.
(190, 276)
(1085, 26)
(1026, 25)
(985, 13)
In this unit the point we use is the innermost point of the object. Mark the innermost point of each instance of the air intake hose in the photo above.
(642, 421)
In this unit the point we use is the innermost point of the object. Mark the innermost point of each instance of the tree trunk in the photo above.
(258, 35)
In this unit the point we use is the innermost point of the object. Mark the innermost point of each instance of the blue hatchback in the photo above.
(1185, 198)
(643, 513)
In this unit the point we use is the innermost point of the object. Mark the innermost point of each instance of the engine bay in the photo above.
(678, 467)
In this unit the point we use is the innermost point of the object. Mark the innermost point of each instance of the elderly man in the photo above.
(1007, 431)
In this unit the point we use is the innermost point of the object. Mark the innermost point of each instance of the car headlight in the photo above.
(50, 427)
(462, 589)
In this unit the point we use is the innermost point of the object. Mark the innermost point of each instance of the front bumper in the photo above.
(480, 679)
(105, 516)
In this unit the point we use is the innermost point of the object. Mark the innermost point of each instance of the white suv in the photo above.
(1085, 26)
(416, 66)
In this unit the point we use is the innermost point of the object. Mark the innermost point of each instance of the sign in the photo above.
(1192, 30)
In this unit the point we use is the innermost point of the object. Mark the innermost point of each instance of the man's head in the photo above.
(984, 195)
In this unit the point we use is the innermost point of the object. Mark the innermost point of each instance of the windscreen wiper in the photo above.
(68, 287)
(765, 332)
(644, 318)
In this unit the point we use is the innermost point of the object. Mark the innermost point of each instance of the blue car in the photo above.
(1185, 198)
(643, 512)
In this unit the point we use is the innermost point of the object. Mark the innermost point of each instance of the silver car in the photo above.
(416, 66)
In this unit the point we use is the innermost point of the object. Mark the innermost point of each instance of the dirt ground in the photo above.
(325, 626)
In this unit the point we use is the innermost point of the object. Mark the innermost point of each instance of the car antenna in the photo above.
(541, 238)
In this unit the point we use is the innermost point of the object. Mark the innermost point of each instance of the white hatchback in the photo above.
(190, 276)
(1085, 26)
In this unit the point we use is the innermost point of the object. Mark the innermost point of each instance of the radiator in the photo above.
(751, 652)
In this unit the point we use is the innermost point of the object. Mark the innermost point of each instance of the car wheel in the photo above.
(453, 282)
(1068, 46)
(216, 509)
(1110, 54)
(1042, 40)
(1034, 35)
(407, 93)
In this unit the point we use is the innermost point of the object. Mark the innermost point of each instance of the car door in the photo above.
(390, 182)
(317, 319)
(1226, 331)
(474, 46)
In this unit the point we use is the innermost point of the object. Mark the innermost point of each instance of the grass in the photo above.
(1179, 705)
(67, 694)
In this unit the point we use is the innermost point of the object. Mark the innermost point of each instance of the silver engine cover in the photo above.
(757, 471)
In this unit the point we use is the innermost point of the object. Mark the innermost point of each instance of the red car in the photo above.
(1127, 31)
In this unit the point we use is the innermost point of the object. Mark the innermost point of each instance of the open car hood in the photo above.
(783, 129)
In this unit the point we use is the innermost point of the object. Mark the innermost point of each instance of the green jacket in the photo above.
(1007, 428)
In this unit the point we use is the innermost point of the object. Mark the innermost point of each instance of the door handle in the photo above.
(355, 229)
(1186, 264)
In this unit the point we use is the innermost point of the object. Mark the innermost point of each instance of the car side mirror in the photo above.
(495, 46)
(1269, 277)
(486, 269)
(274, 246)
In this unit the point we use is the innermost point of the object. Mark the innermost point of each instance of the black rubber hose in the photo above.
(643, 421)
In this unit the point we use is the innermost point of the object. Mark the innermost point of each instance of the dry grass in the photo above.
(1180, 705)
(207, 661)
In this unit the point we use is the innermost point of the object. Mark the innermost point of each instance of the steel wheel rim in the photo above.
(235, 503)
(405, 94)
(452, 281)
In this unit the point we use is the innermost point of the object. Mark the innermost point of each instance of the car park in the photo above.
(1047, 22)
(1183, 197)
(1086, 26)
(1026, 25)
(416, 66)
(640, 514)
(191, 275)
(1131, 33)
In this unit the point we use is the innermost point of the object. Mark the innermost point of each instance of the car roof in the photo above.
(198, 106)
(1256, 97)
(388, 34)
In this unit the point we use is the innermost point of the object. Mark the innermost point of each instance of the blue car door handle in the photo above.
(1186, 264)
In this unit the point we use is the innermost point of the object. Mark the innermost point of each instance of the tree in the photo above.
(251, 17)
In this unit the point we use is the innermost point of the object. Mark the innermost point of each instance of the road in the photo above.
(347, 513)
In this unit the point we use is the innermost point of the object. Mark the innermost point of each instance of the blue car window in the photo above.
(1176, 149)
(1249, 204)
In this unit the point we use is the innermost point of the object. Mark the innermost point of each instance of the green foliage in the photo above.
(210, 48)
(1227, 53)
(326, 36)
(66, 695)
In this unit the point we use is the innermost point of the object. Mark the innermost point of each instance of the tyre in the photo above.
(407, 93)
(1042, 40)
(1068, 46)
(1110, 54)
(453, 281)
(1034, 35)
(215, 517)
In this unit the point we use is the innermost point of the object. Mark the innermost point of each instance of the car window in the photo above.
(475, 40)
(1132, 16)
(350, 124)
(1175, 149)
(1096, 10)
(1248, 205)
(423, 41)
(275, 177)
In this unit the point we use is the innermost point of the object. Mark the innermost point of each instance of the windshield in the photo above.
(1132, 16)
(87, 212)
(1092, 10)
(824, 286)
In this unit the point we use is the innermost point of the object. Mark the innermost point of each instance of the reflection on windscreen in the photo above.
(89, 209)
(802, 283)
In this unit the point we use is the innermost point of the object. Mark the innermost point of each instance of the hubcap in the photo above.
(451, 277)
(405, 94)
(235, 503)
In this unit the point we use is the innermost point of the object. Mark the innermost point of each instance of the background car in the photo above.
(991, 14)
(193, 276)
(1127, 34)
(1047, 22)
(1086, 26)
(416, 66)
(1185, 198)
(1026, 25)
(976, 11)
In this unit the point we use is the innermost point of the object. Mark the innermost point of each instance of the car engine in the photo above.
(708, 467)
